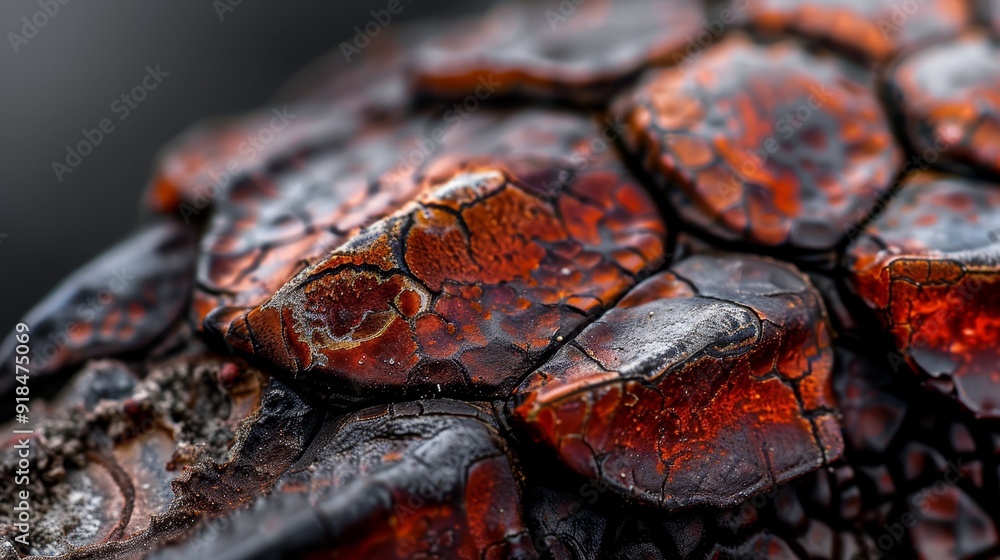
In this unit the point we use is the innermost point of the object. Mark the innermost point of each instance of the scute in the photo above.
(929, 266)
(765, 145)
(948, 95)
(679, 397)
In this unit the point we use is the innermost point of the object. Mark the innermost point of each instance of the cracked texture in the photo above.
(767, 145)
(517, 239)
(930, 268)
(107, 451)
(706, 384)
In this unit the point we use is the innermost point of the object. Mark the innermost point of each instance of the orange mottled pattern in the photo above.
(705, 385)
(930, 267)
(580, 53)
(768, 145)
(949, 98)
(873, 29)
(461, 291)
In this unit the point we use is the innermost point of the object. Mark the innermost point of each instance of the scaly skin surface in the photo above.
(706, 384)
(380, 254)
(463, 290)
(766, 145)
(949, 99)
(930, 267)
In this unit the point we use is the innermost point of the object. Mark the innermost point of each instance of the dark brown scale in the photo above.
(579, 51)
(120, 302)
(280, 432)
(916, 480)
(510, 246)
(705, 385)
(766, 145)
(948, 95)
(762, 546)
(783, 523)
(872, 29)
(393, 481)
(929, 266)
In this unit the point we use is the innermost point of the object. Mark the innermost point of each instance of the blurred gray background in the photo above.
(65, 78)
